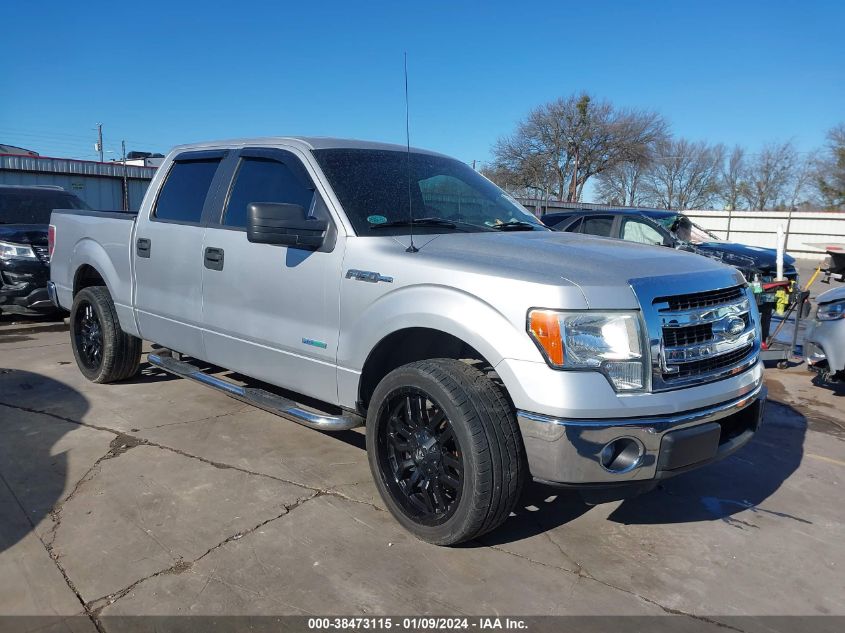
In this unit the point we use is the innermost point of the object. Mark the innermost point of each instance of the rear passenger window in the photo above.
(575, 227)
(264, 180)
(183, 194)
(600, 225)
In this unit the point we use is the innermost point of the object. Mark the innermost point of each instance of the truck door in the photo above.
(272, 312)
(168, 254)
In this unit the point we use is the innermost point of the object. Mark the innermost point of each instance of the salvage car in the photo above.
(824, 342)
(675, 230)
(24, 264)
(400, 290)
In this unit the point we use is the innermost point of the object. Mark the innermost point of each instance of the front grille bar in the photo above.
(705, 332)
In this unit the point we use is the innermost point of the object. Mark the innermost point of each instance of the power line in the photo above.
(57, 138)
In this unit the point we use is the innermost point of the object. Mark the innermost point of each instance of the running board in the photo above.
(260, 398)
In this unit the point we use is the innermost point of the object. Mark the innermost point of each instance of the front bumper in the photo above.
(581, 452)
(23, 288)
(824, 345)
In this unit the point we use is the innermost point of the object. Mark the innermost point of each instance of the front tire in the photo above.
(103, 352)
(445, 450)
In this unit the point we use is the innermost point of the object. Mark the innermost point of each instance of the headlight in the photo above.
(609, 342)
(831, 311)
(9, 250)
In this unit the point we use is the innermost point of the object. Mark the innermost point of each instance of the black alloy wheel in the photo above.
(420, 455)
(103, 351)
(89, 336)
(445, 450)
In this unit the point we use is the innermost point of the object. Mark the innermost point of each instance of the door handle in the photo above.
(213, 258)
(143, 247)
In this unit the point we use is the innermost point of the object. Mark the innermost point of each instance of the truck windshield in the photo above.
(446, 194)
(33, 206)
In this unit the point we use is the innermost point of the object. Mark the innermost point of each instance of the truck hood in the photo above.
(24, 233)
(764, 259)
(600, 267)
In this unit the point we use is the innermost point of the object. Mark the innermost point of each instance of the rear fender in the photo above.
(119, 284)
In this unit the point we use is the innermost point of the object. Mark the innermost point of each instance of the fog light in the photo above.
(621, 455)
(625, 375)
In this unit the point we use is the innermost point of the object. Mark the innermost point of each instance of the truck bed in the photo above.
(103, 238)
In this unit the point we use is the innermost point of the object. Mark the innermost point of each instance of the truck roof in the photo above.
(305, 143)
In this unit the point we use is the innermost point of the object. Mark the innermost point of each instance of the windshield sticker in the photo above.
(376, 219)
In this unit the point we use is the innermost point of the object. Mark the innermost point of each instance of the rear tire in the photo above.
(103, 352)
(445, 450)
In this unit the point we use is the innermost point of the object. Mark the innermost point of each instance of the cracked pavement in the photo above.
(159, 497)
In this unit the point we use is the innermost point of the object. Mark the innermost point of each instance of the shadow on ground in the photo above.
(716, 492)
(741, 482)
(837, 388)
(28, 464)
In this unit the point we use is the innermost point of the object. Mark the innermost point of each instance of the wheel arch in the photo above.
(422, 322)
(92, 266)
(85, 276)
(408, 345)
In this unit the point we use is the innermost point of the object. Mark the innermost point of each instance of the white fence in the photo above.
(759, 228)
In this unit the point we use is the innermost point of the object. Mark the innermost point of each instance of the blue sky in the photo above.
(159, 74)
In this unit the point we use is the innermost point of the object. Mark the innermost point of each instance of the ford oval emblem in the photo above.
(730, 327)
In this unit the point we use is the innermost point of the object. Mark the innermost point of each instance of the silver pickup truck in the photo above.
(477, 347)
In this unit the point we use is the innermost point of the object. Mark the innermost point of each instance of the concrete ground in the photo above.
(157, 496)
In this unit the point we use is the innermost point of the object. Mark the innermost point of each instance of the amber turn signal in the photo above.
(544, 326)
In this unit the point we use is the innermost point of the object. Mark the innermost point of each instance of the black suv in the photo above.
(24, 258)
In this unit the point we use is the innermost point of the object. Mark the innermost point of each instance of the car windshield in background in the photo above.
(32, 206)
(445, 194)
(701, 235)
(686, 230)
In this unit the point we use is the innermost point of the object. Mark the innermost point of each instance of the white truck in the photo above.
(400, 290)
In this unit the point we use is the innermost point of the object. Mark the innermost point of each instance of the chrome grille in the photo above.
(673, 337)
(702, 299)
(707, 365)
(704, 334)
(42, 253)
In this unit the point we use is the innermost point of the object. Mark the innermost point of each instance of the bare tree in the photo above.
(572, 140)
(770, 175)
(830, 169)
(520, 168)
(799, 187)
(684, 174)
(622, 184)
(733, 173)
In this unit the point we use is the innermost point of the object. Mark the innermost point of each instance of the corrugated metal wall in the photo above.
(98, 184)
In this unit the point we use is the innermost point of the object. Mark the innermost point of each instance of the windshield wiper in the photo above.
(515, 225)
(438, 222)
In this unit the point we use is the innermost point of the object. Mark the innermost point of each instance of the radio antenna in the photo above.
(411, 248)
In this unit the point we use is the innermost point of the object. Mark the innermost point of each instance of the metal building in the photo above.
(101, 185)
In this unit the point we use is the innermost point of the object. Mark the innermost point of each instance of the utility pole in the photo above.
(125, 183)
(99, 146)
